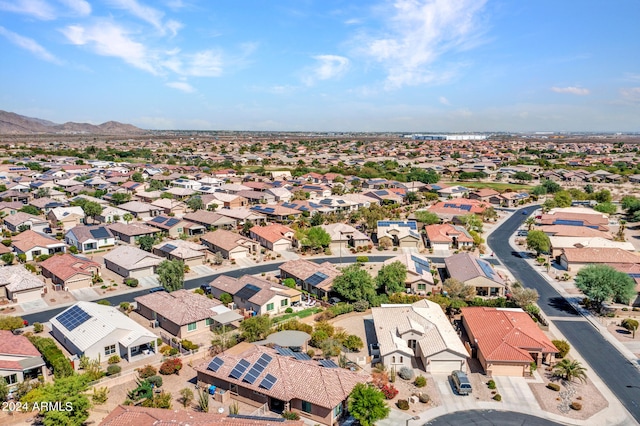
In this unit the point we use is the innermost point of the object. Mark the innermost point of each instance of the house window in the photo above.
(12, 379)
(36, 253)
(306, 406)
(401, 359)
(108, 350)
(284, 302)
(422, 286)
(269, 306)
(337, 410)
(180, 230)
(192, 326)
(393, 359)
(208, 321)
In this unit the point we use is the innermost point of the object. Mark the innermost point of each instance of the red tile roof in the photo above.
(66, 265)
(507, 335)
(12, 344)
(272, 233)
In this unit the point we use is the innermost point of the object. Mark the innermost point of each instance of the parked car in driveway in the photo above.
(461, 382)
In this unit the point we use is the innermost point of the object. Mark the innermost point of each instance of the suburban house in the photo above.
(274, 237)
(99, 331)
(20, 361)
(173, 227)
(477, 273)
(210, 220)
(69, 272)
(314, 389)
(574, 259)
(345, 237)
(131, 262)
(446, 237)
(459, 207)
(310, 276)
(229, 244)
(141, 210)
(419, 277)
(254, 295)
(418, 336)
(170, 206)
(88, 238)
(560, 243)
(242, 215)
(184, 314)
(20, 221)
(66, 217)
(224, 201)
(130, 233)
(188, 252)
(576, 216)
(18, 285)
(33, 244)
(506, 341)
(573, 231)
(111, 214)
(146, 416)
(399, 233)
(483, 194)
(276, 212)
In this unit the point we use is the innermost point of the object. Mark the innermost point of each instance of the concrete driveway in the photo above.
(85, 294)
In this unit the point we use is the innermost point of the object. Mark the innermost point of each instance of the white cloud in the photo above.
(30, 45)
(572, 90)
(78, 7)
(108, 39)
(181, 85)
(444, 101)
(352, 21)
(327, 67)
(631, 95)
(419, 32)
(148, 14)
(207, 63)
(39, 9)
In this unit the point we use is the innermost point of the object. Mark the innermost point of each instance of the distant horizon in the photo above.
(332, 65)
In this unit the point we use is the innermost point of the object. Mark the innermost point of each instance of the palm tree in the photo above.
(569, 370)
(530, 222)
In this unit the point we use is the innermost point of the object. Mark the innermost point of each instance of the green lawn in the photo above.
(300, 314)
(498, 186)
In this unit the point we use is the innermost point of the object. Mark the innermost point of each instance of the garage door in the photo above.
(443, 367)
(507, 370)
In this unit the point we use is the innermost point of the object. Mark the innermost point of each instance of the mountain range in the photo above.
(16, 124)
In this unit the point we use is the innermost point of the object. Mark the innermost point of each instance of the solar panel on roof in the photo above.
(168, 248)
(158, 219)
(99, 233)
(239, 369)
(327, 363)
(486, 268)
(258, 368)
(172, 222)
(301, 356)
(634, 275)
(215, 364)
(268, 382)
(73, 318)
(316, 278)
(568, 222)
(248, 417)
(284, 351)
(247, 292)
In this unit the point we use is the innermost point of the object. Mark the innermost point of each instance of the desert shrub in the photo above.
(100, 395)
(288, 311)
(290, 415)
(420, 381)
(491, 384)
(576, 406)
(403, 404)
(147, 371)
(423, 397)
(562, 346)
(113, 369)
(362, 259)
(497, 397)
(6, 243)
(131, 282)
(37, 327)
(353, 343)
(553, 386)
(171, 366)
(311, 353)
(189, 345)
(389, 391)
(156, 381)
(114, 359)
(296, 325)
(361, 306)
(405, 373)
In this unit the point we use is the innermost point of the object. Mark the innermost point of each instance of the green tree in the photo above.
(120, 198)
(355, 284)
(289, 282)
(524, 296)
(4, 389)
(171, 274)
(522, 176)
(137, 177)
(146, 242)
(186, 397)
(127, 217)
(427, 217)
(195, 203)
(489, 213)
(601, 283)
(562, 199)
(255, 328)
(456, 289)
(551, 187)
(603, 196)
(92, 209)
(67, 391)
(8, 322)
(530, 222)
(569, 370)
(631, 325)
(226, 298)
(316, 238)
(391, 278)
(606, 207)
(8, 258)
(367, 404)
(30, 210)
(538, 241)
(353, 343)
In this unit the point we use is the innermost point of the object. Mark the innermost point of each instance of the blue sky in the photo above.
(325, 65)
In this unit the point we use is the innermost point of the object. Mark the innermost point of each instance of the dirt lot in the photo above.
(558, 402)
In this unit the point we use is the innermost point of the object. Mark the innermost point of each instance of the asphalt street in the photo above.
(620, 374)
(489, 418)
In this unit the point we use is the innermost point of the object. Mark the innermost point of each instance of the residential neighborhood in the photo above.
(192, 280)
